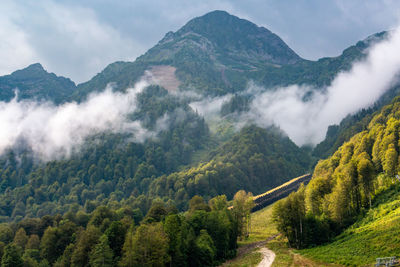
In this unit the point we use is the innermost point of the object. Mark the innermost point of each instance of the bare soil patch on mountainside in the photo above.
(164, 76)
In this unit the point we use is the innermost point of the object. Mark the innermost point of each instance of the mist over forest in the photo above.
(158, 161)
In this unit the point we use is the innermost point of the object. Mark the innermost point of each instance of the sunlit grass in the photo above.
(262, 226)
(248, 260)
(376, 235)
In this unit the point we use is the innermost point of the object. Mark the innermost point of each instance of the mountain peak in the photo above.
(35, 66)
(218, 17)
(35, 82)
(240, 38)
(33, 69)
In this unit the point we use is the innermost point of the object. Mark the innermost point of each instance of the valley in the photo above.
(187, 155)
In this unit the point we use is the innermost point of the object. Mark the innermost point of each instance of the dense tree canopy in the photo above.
(344, 185)
(205, 235)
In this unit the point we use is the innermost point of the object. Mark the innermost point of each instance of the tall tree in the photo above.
(87, 240)
(150, 246)
(11, 257)
(128, 258)
(101, 255)
(116, 235)
(20, 238)
(242, 205)
(33, 242)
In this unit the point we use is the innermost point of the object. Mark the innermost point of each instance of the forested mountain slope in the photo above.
(116, 173)
(344, 186)
(112, 169)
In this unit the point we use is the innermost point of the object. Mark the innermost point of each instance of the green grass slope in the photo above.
(377, 234)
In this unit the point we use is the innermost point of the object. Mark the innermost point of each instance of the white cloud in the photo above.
(57, 131)
(209, 107)
(67, 40)
(307, 122)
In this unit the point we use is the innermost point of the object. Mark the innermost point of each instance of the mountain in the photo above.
(235, 42)
(219, 53)
(35, 82)
(358, 122)
(214, 54)
(111, 182)
(209, 53)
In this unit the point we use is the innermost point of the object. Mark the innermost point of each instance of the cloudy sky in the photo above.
(78, 39)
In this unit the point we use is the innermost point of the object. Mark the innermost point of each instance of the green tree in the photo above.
(390, 162)
(11, 257)
(150, 246)
(289, 215)
(128, 257)
(6, 233)
(65, 259)
(20, 238)
(174, 230)
(242, 205)
(33, 242)
(86, 241)
(205, 249)
(48, 250)
(56, 239)
(101, 255)
(218, 203)
(156, 213)
(198, 203)
(219, 227)
(365, 170)
(116, 236)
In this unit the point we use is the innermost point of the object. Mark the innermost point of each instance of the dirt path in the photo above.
(269, 257)
(243, 250)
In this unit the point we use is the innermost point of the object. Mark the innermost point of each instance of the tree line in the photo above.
(205, 235)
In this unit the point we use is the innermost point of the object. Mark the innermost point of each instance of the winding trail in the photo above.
(269, 257)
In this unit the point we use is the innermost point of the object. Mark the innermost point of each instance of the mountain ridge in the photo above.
(212, 65)
(35, 82)
(201, 66)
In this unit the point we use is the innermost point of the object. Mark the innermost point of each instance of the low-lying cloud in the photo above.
(209, 107)
(306, 122)
(57, 131)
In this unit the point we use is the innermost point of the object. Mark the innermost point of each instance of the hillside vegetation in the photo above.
(375, 235)
(345, 185)
(117, 173)
(163, 200)
(205, 235)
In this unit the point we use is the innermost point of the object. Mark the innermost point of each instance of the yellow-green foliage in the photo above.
(343, 186)
(376, 235)
(254, 160)
(346, 182)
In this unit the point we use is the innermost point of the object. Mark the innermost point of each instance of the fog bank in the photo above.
(306, 122)
(56, 131)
